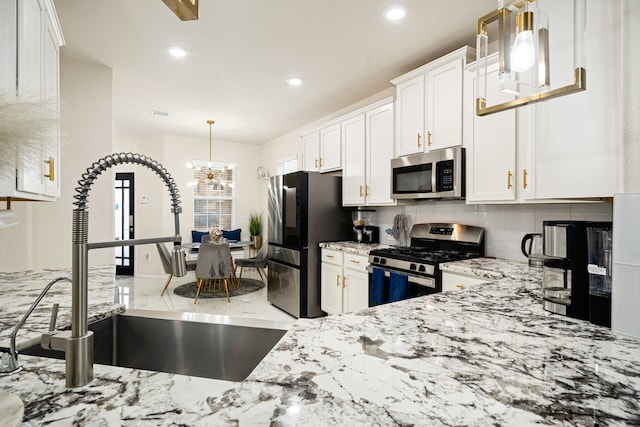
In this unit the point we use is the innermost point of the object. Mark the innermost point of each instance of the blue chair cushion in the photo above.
(232, 235)
(196, 236)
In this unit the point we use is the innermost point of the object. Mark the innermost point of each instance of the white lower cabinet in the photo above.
(452, 281)
(344, 283)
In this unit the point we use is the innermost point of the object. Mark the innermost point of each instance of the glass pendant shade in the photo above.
(523, 52)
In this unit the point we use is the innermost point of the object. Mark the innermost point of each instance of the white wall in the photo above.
(43, 237)
(155, 218)
(631, 97)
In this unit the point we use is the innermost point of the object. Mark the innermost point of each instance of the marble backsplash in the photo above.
(504, 225)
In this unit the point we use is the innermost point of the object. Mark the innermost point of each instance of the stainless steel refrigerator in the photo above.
(305, 208)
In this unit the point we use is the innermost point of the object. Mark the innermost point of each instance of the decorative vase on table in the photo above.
(255, 229)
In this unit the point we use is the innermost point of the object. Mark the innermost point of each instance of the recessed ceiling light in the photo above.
(395, 13)
(177, 51)
(159, 113)
(294, 81)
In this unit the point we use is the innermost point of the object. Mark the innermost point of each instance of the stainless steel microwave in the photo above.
(438, 174)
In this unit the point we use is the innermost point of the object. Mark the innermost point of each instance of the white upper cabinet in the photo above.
(379, 152)
(368, 150)
(491, 144)
(353, 173)
(410, 116)
(311, 143)
(558, 150)
(578, 136)
(330, 148)
(429, 104)
(31, 50)
(322, 149)
(444, 105)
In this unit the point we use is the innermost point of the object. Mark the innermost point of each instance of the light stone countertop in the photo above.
(487, 355)
(494, 269)
(356, 248)
(18, 290)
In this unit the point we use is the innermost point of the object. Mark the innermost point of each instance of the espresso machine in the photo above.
(565, 276)
(363, 229)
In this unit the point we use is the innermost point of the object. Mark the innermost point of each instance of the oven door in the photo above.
(387, 286)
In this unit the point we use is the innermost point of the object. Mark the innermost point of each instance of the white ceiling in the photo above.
(241, 51)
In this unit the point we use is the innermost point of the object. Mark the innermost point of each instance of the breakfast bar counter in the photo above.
(487, 355)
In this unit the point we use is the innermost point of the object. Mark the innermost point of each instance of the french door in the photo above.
(124, 221)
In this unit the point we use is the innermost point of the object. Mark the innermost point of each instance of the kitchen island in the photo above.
(485, 355)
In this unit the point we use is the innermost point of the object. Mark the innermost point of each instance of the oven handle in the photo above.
(418, 280)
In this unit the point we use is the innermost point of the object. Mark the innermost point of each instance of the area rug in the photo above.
(247, 286)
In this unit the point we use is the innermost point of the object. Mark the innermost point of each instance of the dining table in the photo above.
(240, 244)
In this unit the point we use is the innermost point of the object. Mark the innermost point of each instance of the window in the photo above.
(214, 200)
(288, 165)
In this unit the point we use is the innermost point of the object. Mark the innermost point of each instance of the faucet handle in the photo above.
(54, 317)
(178, 262)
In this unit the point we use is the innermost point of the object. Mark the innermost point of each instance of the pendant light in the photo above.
(211, 176)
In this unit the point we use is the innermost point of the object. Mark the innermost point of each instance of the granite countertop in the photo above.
(353, 247)
(494, 269)
(20, 289)
(487, 355)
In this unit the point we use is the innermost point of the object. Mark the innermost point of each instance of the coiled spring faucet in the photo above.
(78, 343)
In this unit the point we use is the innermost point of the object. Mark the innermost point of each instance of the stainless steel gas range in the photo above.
(399, 273)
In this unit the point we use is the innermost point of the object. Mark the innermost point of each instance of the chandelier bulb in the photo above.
(523, 53)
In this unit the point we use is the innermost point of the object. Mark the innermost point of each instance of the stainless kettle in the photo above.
(533, 251)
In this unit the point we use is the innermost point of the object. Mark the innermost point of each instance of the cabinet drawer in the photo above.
(355, 262)
(451, 281)
(331, 256)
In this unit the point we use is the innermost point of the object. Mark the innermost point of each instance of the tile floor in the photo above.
(143, 293)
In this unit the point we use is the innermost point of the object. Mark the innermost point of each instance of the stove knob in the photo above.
(383, 261)
(422, 269)
(412, 267)
(376, 260)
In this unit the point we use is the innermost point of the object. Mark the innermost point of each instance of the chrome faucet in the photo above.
(11, 365)
(78, 343)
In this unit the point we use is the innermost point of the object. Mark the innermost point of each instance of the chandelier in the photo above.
(209, 175)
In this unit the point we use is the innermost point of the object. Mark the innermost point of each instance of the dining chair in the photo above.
(206, 238)
(165, 258)
(259, 262)
(213, 269)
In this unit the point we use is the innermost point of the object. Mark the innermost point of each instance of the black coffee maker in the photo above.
(363, 229)
(565, 274)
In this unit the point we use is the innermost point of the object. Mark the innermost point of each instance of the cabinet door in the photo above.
(356, 291)
(379, 154)
(353, 170)
(410, 117)
(444, 106)
(311, 143)
(51, 92)
(30, 77)
(8, 45)
(490, 143)
(331, 288)
(330, 148)
(578, 136)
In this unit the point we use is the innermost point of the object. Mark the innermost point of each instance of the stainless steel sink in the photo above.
(200, 345)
